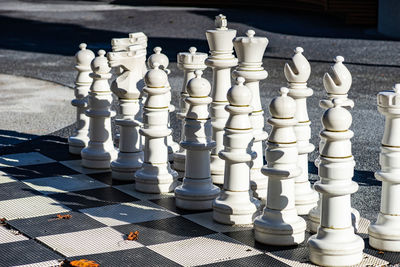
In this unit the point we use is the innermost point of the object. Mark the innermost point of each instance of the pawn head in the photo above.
(84, 56)
(239, 94)
(100, 63)
(155, 77)
(337, 118)
(283, 106)
(198, 86)
(158, 57)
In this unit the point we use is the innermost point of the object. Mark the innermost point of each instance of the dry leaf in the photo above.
(133, 236)
(65, 216)
(82, 263)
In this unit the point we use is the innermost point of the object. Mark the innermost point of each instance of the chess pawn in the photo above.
(384, 234)
(155, 176)
(306, 198)
(130, 156)
(80, 137)
(197, 191)
(236, 204)
(336, 88)
(100, 150)
(279, 224)
(335, 243)
(221, 60)
(164, 62)
(250, 51)
(188, 62)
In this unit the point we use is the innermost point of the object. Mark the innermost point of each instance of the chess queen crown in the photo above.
(250, 50)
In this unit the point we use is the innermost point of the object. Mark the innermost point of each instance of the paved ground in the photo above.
(39, 41)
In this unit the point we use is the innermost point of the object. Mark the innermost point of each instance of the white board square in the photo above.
(125, 213)
(99, 240)
(64, 183)
(204, 250)
(76, 166)
(29, 207)
(22, 159)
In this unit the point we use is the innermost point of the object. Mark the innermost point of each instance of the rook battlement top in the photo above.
(390, 99)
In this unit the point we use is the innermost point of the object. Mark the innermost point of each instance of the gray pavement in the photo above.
(39, 41)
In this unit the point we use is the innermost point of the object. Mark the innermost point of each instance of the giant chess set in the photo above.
(214, 198)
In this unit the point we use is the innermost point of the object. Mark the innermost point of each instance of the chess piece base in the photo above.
(382, 234)
(158, 178)
(196, 194)
(280, 228)
(336, 247)
(76, 144)
(126, 165)
(235, 208)
(95, 157)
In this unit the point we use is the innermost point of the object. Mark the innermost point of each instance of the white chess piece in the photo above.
(122, 44)
(306, 197)
(335, 243)
(80, 137)
(197, 191)
(164, 62)
(250, 51)
(384, 234)
(155, 176)
(279, 224)
(100, 150)
(130, 156)
(221, 60)
(236, 204)
(188, 62)
(336, 87)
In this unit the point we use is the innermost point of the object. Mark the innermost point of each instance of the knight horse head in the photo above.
(129, 82)
(122, 44)
(126, 59)
(300, 72)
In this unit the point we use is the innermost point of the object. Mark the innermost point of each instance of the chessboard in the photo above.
(40, 182)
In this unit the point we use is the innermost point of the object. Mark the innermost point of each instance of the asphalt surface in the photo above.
(40, 38)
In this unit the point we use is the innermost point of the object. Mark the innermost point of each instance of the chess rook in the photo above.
(279, 224)
(384, 234)
(130, 156)
(164, 62)
(197, 191)
(221, 60)
(306, 198)
(336, 88)
(155, 176)
(335, 243)
(100, 150)
(236, 204)
(188, 62)
(80, 137)
(250, 51)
